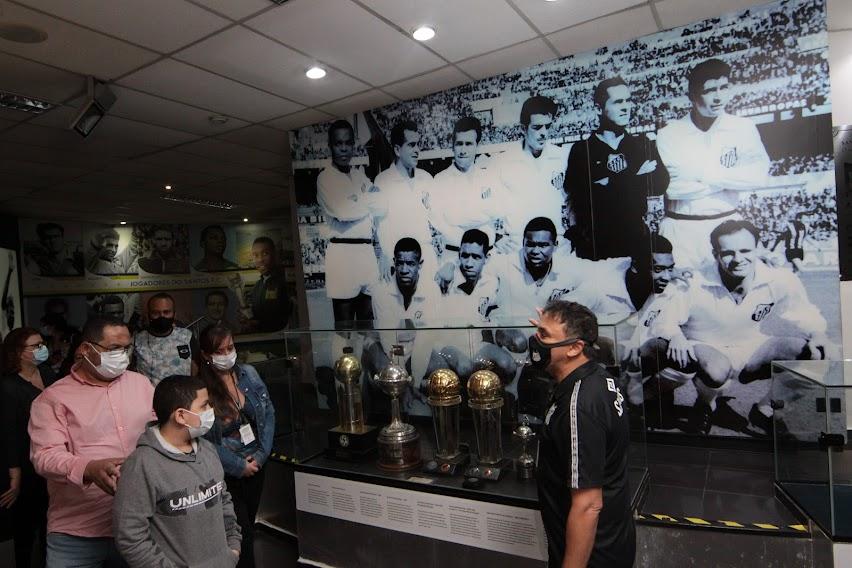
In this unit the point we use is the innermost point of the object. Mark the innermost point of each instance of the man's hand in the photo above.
(681, 350)
(821, 348)
(444, 276)
(250, 468)
(674, 171)
(8, 498)
(506, 244)
(103, 473)
(632, 359)
(236, 553)
(385, 266)
(647, 167)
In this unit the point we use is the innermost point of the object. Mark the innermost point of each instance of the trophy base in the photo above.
(399, 454)
(447, 466)
(351, 446)
(525, 471)
(488, 472)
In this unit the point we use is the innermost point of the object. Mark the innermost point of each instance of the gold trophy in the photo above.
(485, 398)
(399, 442)
(351, 439)
(445, 399)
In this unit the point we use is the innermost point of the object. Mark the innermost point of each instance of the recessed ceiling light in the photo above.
(245, 219)
(315, 73)
(123, 223)
(423, 33)
(21, 33)
(168, 188)
(218, 119)
(24, 103)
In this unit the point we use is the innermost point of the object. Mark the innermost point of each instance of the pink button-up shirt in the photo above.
(74, 422)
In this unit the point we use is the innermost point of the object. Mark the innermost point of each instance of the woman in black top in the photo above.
(26, 374)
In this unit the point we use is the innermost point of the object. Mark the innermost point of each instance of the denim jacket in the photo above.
(255, 391)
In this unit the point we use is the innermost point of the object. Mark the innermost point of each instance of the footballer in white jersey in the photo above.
(711, 157)
(736, 317)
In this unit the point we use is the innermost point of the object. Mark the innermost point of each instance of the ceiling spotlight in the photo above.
(24, 103)
(168, 188)
(315, 73)
(245, 219)
(21, 33)
(123, 223)
(423, 33)
(95, 107)
(218, 119)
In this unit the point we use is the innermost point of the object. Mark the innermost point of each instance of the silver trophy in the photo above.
(525, 466)
(399, 442)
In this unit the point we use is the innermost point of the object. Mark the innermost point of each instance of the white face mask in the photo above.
(224, 362)
(113, 364)
(207, 418)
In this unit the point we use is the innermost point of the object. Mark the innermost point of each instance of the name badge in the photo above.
(246, 434)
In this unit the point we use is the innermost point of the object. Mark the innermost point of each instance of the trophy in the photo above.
(399, 443)
(351, 439)
(445, 399)
(485, 398)
(525, 466)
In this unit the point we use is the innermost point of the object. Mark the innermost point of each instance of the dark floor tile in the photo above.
(746, 509)
(678, 475)
(737, 459)
(275, 551)
(674, 501)
(661, 453)
(740, 481)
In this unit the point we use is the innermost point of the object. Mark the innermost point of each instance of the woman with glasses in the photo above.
(26, 373)
(243, 430)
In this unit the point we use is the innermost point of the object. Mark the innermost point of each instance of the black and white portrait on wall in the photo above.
(684, 177)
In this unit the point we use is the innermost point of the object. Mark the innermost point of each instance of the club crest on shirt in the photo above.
(484, 302)
(559, 293)
(549, 414)
(485, 193)
(610, 385)
(616, 163)
(558, 180)
(761, 311)
(652, 315)
(418, 314)
(729, 157)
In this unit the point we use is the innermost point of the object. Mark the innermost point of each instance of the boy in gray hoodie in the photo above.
(172, 507)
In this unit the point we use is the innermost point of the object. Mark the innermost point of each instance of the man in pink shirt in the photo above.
(82, 429)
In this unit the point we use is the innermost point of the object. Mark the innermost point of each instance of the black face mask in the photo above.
(540, 352)
(161, 325)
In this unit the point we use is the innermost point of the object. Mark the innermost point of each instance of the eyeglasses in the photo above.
(127, 349)
(35, 346)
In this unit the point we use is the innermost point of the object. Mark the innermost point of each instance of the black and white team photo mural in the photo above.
(684, 180)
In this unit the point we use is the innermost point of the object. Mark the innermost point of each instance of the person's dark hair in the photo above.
(661, 244)
(601, 94)
(43, 228)
(467, 123)
(173, 392)
(167, 228)
(265, 241)
(407, 244)
(70, 359)
(101, 236)
(13, 347)
(212, 293)
(537, 105)
(477, 237)
(93, 329)
(730, 227)
(541, 224)
(54, 320)
(160, 296)
(206, 231)
(398, 131)
(578, 321)
(52, 303)
(703, 72)
(209, 341)
(340, 125)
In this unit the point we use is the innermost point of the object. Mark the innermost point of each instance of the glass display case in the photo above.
(813, 464)
(316, 391)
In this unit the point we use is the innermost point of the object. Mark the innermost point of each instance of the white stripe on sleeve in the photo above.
(575, 440)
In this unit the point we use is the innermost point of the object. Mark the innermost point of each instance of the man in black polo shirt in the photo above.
(582, 463)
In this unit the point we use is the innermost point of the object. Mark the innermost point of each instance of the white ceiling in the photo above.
(175, 63)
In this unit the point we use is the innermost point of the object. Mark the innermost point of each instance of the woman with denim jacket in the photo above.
(243, 430)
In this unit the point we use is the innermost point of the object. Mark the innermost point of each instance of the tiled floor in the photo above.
(273, 550)
(730, 485)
